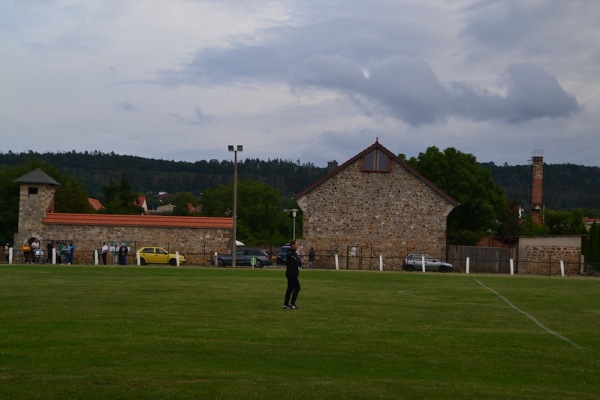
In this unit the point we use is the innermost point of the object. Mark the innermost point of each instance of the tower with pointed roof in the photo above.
(36, 198)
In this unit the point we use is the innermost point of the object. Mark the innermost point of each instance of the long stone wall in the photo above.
(195, 244)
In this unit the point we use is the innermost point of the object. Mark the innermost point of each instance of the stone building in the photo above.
(374, 204)
(195, 237)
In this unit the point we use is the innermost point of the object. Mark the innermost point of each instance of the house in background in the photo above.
(140, 201)
(96, 204)
(374, 204)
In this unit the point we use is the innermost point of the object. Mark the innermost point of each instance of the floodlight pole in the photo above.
(235, 150)
(294, 212)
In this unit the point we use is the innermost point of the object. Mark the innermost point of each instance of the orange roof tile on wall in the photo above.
(138, 220)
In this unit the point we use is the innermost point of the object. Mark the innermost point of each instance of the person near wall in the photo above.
(64, 253)
(71, 251)
(35, 248)
(26, 252)
(49, 248)
(123, 251)
(114, 249)
(293, 264)
(311, 258)
(59, 252)
(6, 251)
(104, 252)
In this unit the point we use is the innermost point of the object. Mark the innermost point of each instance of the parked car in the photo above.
(158, 255)
(244, 258)
(413, 262)
(282, 253)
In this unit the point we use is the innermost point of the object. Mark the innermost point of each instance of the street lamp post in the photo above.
(235, 150)
(294, 212)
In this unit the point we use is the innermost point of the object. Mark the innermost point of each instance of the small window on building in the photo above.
(33, 190)
(376, 161)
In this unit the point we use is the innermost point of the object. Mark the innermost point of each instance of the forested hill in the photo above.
(96, 170)
(565, 186)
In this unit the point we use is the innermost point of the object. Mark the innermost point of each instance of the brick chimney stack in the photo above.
(536, 187)
(331, 165)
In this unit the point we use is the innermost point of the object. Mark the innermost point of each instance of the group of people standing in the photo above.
(33, 253)
(119, 252)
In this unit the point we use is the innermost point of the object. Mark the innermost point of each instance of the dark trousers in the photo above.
(293, 288)
(104, 258)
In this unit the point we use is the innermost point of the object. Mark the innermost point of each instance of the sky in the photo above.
(302, 80)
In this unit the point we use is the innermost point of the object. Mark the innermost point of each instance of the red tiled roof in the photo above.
(95, 203)
(138, 220)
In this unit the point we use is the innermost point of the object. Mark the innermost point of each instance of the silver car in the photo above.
(414, 262)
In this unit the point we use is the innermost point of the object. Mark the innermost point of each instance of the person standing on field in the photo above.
(311, 258)
(293, 264)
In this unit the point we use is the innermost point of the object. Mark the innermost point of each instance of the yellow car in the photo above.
(158, 255)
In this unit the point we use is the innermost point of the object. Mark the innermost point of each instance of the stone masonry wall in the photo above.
(195, 244)
(542, 255)
(389, 214)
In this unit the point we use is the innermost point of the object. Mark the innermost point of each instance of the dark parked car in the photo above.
(282, 253)
(244, 258)
(414, 262)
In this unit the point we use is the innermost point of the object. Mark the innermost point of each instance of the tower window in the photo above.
(33, 190)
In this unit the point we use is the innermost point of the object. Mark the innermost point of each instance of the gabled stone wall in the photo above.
(387, 213)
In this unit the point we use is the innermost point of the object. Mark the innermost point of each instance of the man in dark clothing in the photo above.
(292, 270)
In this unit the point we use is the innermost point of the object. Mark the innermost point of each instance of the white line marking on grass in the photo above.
(538, 323)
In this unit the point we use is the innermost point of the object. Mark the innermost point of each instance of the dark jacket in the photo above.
(292, 263)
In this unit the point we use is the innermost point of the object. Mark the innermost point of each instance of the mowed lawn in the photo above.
(206, 333)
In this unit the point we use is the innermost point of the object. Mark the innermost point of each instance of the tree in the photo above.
(564, 222)
(591, 246)
(71, 197)
(261, 219)
(483, 206)
(181, 201)
(119, 198)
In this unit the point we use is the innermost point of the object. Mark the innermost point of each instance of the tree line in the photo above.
(489, 195)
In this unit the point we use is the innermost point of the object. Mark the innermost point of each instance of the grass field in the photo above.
(207, 333)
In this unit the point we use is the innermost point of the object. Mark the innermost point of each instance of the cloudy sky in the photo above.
(302, 79)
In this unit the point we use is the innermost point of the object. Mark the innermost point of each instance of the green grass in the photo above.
(176, 333)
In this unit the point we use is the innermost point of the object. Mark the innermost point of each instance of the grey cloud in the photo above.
(531, 92)
(125, 106)
(379, 66)
(534, 93)
(407, 88)
(410, 91)
(547, 29)
(198, 118)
